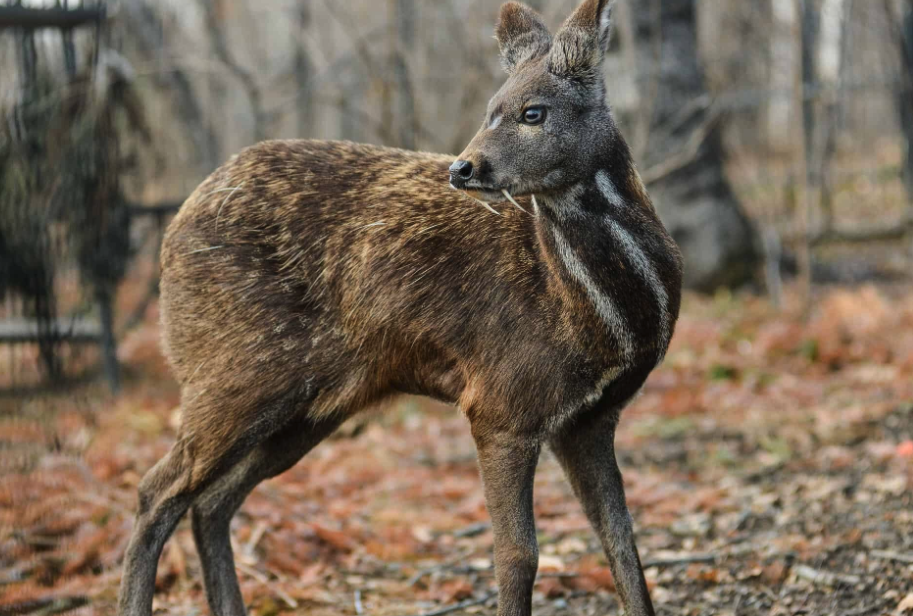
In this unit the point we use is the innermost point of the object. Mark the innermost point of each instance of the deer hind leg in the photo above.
(208, 447)
(586, 451)
(213, 510)
(164, 496)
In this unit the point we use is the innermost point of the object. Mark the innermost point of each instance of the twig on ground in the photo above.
(263, 579)
(764, 472)
(259, 529)
(859, 611)
(681, 559)
(472, 530)
(459, 606)
(439, 567)
(895, 556)
(260, 577)
(415, 579)
(828, 578)
(18, 572)
(45, 607)
(289, 601)
(359, 608)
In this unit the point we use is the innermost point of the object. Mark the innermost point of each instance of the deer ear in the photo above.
(521, 35)
(582, 41)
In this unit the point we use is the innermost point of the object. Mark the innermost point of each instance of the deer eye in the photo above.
(534, 116)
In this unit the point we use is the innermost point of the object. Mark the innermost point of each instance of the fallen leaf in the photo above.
(551, 587)
(774, 573)
(422, 534)
(592, 579)
(905, 450)
(571, 545)
(336, 538)
(548, 562)
(455, 590)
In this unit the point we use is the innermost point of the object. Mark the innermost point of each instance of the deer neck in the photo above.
(608, 249)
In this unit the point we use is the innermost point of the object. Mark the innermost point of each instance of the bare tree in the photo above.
(683, 161)
(404, 48)
(830, 60)
(304, 71)
(213, 10)
(905, 92)
(385, 73)
(145, 26)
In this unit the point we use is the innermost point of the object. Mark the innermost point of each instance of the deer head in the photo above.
(545, 128)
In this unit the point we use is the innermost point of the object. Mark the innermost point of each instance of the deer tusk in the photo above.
(535, 205)
(488, 207)
(511, 199)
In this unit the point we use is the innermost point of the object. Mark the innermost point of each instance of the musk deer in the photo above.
(304, 281)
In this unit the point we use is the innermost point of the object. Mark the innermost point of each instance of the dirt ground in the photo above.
(768, 465)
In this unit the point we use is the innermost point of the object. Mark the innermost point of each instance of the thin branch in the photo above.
(828, 578)
(265, 581)
(680, 160)
(682, 559)
(220, 47)
(805, 195)
(895, 556)
(440, 566)
(459, 606)
(359, 608)
(875, 233)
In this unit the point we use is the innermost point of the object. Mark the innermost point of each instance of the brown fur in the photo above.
(304, 281)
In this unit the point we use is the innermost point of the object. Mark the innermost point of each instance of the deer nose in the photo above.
(461, 171)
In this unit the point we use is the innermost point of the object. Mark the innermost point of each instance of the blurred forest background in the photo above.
(770, 459)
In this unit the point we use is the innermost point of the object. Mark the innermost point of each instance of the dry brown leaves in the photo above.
(765, 448)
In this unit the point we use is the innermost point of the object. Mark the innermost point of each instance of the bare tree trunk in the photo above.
(404, 15)
(104, 297)
(905, 105)
(683, 161)
(808, 45)
(803, 37)
(832, 55)
(783, 62)
(905, 96)
(145, 25)
(28, 63)
(350, 93)
(212, 10)
(304, 71)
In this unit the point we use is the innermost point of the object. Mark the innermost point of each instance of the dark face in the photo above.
(540, 134)
(544, 128)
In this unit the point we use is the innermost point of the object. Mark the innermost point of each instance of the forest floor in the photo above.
(768, 465)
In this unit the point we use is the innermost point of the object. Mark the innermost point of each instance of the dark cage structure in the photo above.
(65, 138)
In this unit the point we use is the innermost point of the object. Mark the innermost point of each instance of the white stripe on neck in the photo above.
(636, 255)
(605, 307)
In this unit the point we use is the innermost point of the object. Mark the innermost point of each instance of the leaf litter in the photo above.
(768, 466)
